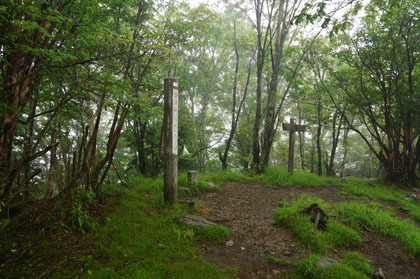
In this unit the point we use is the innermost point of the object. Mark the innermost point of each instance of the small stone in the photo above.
(378, 274)
(414, 196)
(194, 221)
(243, 248)
(211, 184)
(408, 197)
(416, 190)
(276, 271)
(287, 253)
(229, 243)
(325, 262)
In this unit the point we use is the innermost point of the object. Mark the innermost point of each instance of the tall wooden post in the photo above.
(292, 139)
(292, 128)
(170, 133)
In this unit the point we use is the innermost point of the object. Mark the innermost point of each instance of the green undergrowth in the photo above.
(383, 222)
(318, 241)
(139, 239)
(412, 208)
(369, 189)
(228, 175)
(352, 265)
(279, 177)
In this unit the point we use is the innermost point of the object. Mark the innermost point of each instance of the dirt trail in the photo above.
(247, 210)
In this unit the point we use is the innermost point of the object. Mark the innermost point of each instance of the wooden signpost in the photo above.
(170, 134)
(292, 128)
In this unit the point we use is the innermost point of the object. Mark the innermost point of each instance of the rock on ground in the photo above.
(194, 221)
(325, 262)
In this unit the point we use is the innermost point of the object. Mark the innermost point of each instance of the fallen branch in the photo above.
(52, 268)
(361, 224)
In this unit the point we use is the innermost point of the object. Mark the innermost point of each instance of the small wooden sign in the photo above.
(292, 128)
(175, 119)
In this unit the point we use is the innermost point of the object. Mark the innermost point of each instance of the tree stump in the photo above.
(317, 216)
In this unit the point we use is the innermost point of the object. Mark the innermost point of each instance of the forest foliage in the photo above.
(82, 89)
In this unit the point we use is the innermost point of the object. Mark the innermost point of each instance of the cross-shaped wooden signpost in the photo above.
(292, 128)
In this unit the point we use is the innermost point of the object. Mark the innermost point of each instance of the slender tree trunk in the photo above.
(235, 114)
(345, 146)
(260, 66)
(223, 158)
(318, 138)
(270, 113)
(53, 161)
(301, 141)
(370, 169)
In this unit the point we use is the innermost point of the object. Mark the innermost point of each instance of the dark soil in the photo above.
(247, 210)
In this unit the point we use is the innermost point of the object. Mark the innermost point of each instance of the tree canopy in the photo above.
(82, 89)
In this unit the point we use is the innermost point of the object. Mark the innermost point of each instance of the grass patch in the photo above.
(383, 222)
(216, 233)
(278, 261)
(370, 189)
(275, 176)
(228, 175)
(352, 266)
(357, 262)
(141, 240)
(413, 208)
(335, 235)
(137, 239)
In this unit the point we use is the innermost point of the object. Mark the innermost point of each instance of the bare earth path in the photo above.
(247, 210)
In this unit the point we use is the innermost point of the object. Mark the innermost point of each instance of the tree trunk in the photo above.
(270, 113)
(301, 141)
(318, 138)
(53, 161)
(345, 146)
(235, 114)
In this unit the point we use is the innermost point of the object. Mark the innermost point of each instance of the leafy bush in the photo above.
(80, 218)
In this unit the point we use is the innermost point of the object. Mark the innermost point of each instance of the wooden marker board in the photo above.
(292, 128)
(170, 133)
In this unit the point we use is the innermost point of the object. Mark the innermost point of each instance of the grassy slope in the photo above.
(138, 239)
(141, 240)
